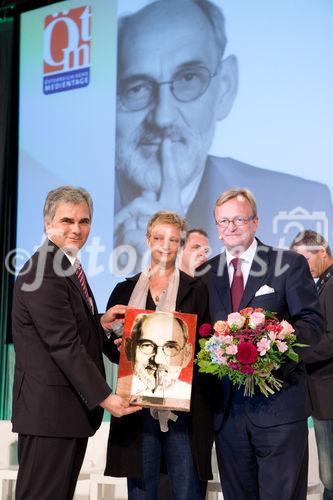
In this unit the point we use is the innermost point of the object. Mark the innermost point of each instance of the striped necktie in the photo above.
(82, 279)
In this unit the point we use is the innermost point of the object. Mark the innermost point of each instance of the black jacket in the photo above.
(321, 372)
(59, 373)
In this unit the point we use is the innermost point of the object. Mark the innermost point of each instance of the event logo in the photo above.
(287, 224)
(67, 39)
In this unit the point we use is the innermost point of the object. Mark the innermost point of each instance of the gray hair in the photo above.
(65, 194)
(310, 239)
(216, 18)
(213, 14)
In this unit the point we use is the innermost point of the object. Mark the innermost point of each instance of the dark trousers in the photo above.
(48, 467)
(262, 463)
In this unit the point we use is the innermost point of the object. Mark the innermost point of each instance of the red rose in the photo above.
(246, 311)
(247, 369)
(234, 366)
(276, 328)
(247, 353)
(205, 330)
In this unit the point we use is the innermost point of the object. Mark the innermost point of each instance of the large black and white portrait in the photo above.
(177, 84)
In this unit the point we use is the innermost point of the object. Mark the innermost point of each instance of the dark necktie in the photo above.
(237, 285)
(82, 279)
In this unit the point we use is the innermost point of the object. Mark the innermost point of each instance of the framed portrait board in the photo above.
(156, 359)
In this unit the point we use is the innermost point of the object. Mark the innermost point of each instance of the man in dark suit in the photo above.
(59, 386)
(317, 252)
(174, 85)
(195, 251)
(261, 442)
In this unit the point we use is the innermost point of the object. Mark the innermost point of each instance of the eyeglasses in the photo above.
(149, 347)
(237, 221)
(187, 85)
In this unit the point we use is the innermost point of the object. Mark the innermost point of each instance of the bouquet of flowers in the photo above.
(247, 348)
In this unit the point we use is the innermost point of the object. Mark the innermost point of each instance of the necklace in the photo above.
(157, 297)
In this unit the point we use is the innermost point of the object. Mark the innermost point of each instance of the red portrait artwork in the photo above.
(156, 360)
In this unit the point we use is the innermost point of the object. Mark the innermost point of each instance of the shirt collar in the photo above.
(247, 256)
(71, 258)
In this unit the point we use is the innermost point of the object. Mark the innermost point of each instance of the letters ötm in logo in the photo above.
(67, 38)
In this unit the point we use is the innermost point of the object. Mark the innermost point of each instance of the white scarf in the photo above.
(167, 303)
(168, 299)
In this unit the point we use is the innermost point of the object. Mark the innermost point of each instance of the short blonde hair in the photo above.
(166, 217)
(235, 193)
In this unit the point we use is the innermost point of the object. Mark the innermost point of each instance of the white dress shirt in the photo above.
(246, 261)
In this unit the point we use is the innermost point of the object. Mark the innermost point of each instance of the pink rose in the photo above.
(221, 328)
(282, 346)
(263, 345)
(205, 330)
(227, 339)
(287, 329)
(236, 320)
(231, 349)
(256, 319)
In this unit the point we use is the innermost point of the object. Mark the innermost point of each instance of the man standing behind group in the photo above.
(261, 442)
(194, 252)
(315, 249)
(59, 387)
(174, 85)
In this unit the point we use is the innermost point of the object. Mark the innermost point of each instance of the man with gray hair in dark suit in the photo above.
(59, 388)
(317, 252)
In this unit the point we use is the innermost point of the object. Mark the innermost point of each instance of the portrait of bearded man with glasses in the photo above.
(157, 367)
(175, 83)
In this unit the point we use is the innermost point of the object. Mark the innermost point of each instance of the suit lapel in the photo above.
(74, 279)
(323, 279)
(221, 282)
(183, 290)
(62, 263)
(258, 273)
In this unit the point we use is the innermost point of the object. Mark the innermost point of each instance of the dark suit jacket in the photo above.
(124, 446)
(321, 372)
(275, 192)
(294, 299)
(59, 373)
